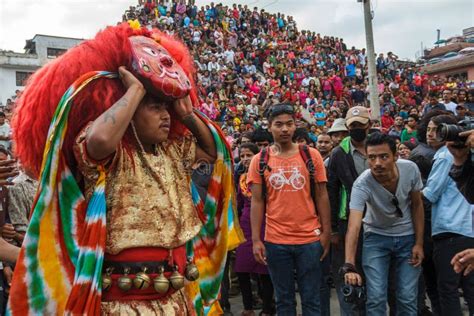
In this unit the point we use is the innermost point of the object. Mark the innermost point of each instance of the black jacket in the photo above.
(341, 176)
(464, 178)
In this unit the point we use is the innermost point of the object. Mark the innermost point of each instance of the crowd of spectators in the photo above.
(249, 59)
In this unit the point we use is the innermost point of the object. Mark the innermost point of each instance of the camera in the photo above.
(354, 294)
(450, 132)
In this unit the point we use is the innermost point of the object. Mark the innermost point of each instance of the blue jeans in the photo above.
(325, 291)
(377, 253)
(305, 259)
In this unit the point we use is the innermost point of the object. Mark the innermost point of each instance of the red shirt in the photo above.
(387, 121)
(236, 13)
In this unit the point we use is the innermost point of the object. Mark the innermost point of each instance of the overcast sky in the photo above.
(399, 26)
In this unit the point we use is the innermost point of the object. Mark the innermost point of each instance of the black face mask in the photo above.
(358, 134)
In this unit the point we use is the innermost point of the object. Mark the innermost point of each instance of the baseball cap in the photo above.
(339, 125)
(357, 114)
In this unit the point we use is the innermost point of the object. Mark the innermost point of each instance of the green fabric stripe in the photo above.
(345, 144)
(87, 262)
(69, 196)
(343, 203)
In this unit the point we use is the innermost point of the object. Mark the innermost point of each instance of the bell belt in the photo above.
(139, 257)
(130, 267)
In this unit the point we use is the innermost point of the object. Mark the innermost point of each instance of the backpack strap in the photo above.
(308, 161)
(262, 166)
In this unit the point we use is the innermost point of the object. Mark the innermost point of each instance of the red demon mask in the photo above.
(157, 70)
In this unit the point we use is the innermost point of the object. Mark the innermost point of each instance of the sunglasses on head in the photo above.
(398, 211)
(281, 109)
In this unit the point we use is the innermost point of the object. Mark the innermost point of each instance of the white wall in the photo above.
(11, 62)
(7, 84)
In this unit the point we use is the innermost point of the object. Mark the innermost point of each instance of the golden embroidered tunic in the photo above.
(149, 204)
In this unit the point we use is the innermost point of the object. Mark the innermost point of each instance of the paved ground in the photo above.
(237, 306)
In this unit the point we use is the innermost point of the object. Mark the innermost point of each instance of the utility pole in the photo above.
(422, 54)
(369, 37)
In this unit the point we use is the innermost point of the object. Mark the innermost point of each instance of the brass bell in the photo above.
(142, 280)
(107, 279)
(161, 283)
(191, 272)
(176, 279)
(125, 282)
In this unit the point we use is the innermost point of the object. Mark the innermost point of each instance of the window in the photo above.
(55, 52)
(22, 77)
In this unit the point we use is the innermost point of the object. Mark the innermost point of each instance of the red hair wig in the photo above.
(109, 50)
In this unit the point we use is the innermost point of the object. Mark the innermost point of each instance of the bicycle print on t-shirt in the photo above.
(286, 178)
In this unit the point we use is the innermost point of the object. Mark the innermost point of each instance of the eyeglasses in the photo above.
(398, 211)
(281, 109)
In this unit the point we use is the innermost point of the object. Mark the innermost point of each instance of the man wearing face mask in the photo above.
(347, 162)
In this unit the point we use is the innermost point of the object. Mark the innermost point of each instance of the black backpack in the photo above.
(308, 161)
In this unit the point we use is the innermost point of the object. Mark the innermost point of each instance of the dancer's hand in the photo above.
(128, 79)
(183, 107)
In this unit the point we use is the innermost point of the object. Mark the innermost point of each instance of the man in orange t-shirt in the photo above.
(298, 228)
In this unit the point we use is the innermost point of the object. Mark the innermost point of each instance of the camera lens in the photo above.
(448, 133)
(347, 290)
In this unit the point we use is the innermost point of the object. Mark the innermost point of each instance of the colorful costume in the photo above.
(114, 236)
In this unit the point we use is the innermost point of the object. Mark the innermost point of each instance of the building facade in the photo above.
(15, 68)
(454, 59)
(462, 67)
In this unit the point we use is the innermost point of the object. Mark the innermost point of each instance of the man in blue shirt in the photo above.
(452, 224)
(320, 116)
(434, 103)
(186, 21)
(351, 70)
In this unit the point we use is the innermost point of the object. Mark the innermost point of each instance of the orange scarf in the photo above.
(244, 187)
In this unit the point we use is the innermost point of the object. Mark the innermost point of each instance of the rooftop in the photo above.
(9, 53)
(450, 64)
(442, 50)
(30, 44)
